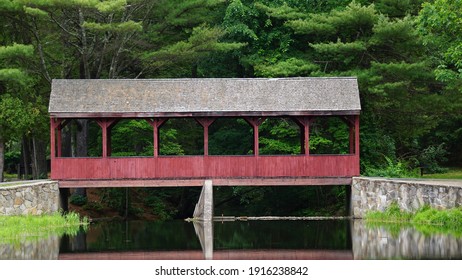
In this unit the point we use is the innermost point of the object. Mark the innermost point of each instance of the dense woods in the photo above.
(407, 55)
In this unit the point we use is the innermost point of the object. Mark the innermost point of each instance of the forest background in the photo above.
(406, 54)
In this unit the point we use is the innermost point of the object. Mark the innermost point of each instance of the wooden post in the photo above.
(53, 138)
(255, 122)
(205, 123)
(352, 139)
(302, 139)
(60, 125)
(106, 126)
(351, 122)
(109, 141)
(104, 129)
(59, 141)
(304, 124)
(357, 135)
(156, 123)
(56, 137)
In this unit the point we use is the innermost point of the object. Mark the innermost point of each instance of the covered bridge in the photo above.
(205, 100)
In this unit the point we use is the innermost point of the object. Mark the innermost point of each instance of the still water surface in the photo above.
(343, 239)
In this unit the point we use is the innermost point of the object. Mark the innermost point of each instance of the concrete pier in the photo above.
(204, 207)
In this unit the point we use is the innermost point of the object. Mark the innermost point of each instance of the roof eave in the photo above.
(91, 115)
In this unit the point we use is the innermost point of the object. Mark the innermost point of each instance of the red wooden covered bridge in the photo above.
(205, 100)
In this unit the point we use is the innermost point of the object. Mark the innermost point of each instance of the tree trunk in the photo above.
(26, 157)
(39, 158)
(2, 157)
(33, 158)
(66, 141)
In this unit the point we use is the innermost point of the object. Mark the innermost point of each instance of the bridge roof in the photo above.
(204, 97)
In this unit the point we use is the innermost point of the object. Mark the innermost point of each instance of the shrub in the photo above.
(431, 158)
(393, 169)
(77, 199)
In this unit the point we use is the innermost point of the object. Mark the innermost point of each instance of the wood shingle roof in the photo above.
(204, 97)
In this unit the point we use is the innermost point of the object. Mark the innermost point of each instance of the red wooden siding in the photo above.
(191, 167)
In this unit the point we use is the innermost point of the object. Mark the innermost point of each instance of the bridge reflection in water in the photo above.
(240, 240)
(282, 240)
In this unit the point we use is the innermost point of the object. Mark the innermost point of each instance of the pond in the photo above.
(335, 239)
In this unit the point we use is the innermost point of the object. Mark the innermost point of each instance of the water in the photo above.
(343, 239)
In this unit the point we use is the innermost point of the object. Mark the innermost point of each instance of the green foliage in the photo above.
(124, 27)
(392, 214)
(286, 68)
(393, 169)
(111, 6)
(451, 173)
(441, 21)
(202, 41)
(158, 204)
(282, 201)
(230, 137)
(115, 198)
(451, 218)
(279, 136)
(9, 54)
(283, 11)
(431, 158)
(77, 199)
(398, 8)
(311, 26)
(427, 220)
(93, 206)
(16, 116)
(329, 136)
(132, 138)
(14, 229)
(12, 158)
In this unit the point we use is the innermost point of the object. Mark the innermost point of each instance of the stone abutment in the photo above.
(377, 194)
(29, 198)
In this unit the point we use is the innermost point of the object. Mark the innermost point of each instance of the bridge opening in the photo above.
(331, 135)
(167, 203)
(230, 136)
(181, 136)
(282, 201)
(68, 143)
(131, 137)
(280, 136)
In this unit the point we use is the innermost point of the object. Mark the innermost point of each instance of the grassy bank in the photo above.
(15, 228)
(426, 219)
(452, 173)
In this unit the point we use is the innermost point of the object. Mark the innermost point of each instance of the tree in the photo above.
(16, 114)
(440, 24)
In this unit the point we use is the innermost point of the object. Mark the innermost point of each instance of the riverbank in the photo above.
(426, 220)
(15, 228)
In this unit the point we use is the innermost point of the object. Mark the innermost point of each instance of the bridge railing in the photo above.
(204, 167)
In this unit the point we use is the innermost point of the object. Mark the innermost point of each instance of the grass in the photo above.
(16, 228)
(11, 184)
(453, 173)
(9, 176)
(427, 220)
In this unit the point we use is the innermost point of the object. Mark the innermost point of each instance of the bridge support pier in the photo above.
(203, 219)
(204, 207)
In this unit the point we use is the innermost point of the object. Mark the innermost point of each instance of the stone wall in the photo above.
(33, 198)
(40, 249)
(377, 194)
